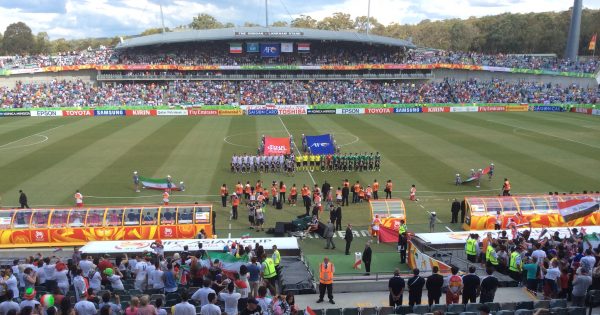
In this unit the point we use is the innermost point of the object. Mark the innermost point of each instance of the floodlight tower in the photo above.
(574, 31)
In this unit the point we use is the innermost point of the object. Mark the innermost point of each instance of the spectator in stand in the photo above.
(581, 282)
(488, 287)
(396, 288)
(211, 308)
(184, 307)
(471, 286)
(201, 295)
(434, 285)
(415, 288)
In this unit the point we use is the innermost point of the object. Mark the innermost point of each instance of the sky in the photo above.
(108, 18)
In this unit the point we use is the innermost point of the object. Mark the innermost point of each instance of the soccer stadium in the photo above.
(301, 168)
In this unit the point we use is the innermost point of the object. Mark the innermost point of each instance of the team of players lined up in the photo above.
(346, 162)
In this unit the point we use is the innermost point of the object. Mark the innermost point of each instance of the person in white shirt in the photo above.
(551, 280)
(40, 272)
(62, 278)
(114, 276)
(538, 254)
(29, 300)
(9, 304)
(140, 275)
(230, 298)
(211, 308)
(156, 277)
(588, 261)
(49, 270)
(86, 265)
(85, 307)
(15, 270)
(201, 295)
(11, 282)
(263, 301)
(96, 281)
(184, 308)
(79, 286)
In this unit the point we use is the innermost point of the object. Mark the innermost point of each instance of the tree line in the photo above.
(544, 32)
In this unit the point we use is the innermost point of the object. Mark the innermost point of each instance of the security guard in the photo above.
(326, 280)
(515, 265)
(276, 259)
(402, 228)
(472, 247)
(269, 274)
(491, 257)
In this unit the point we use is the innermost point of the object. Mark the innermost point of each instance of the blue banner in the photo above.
(252, 47)
(104, 112)
(270, 50)
(15, 113)
(547, 108)
(405, 110)
(320, 144)
(262, 112)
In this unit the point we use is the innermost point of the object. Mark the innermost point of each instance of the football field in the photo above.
(49, 158)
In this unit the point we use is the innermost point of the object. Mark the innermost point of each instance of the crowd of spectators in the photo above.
(60, 93)
(148, 284)
(217, 53)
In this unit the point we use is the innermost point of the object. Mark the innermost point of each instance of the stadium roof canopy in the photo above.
(261, 33)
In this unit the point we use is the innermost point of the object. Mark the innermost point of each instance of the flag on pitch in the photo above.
(320, 144)
(157, 183)
(593, 42)
(276, 146)
(577, 208)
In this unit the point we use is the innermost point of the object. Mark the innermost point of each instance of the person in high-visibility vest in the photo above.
(402, 228)
(491, 257)
(515, 266)
(224, 194)
(165, 196)
(78, 199)
(326, 271)
(472, 247)
(276, 258)
(269, 274)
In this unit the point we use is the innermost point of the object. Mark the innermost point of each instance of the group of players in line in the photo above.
(291, 163)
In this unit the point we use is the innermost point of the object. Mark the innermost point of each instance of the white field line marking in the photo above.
(447, 228)
(33, 135)
(27, 145)
(546, 134)
(295, 147)
(356, 139)
(148, 196)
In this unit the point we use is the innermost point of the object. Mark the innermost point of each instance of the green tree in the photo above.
(338, 21)
(18, 39)
(1, 38)
(280, 24)
(304, 21)
(61, 45)
(360, 24)
(152, 31)
(42, 43)
(229, 25)
(205, 21)
(250, 24)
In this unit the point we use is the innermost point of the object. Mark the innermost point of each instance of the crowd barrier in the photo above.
(281, 110)
(145, 67)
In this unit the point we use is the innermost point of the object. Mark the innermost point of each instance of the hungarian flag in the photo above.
(157, 183)
(593, 42)
(577, 208)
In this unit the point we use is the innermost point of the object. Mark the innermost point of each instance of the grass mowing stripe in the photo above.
(553, 174)
(14, 135)
(567, 121)
(145, 156)
(32, 164)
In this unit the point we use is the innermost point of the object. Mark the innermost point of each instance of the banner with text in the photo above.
(276, 146)
(321, 144)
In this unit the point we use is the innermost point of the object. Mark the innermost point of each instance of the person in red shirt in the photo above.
(293, 195)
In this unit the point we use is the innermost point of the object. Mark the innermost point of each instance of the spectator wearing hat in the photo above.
(252, 308)
(29, 300)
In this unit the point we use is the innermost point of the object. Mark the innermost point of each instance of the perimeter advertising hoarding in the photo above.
(546, 108)
(140, 112)
(440, 109)
(261, 112)
(171, 112)
(230, 112)
(203, 112)
(408, 110)
(519, 108)
(320, 111)
(292, 109)
(379, 111)
(78, 113)
(46, 113)
(463, 109)
(15, 114)
(103, 112)
(349, 111)
(491, 108)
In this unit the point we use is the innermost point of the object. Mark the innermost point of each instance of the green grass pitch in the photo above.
(49, 158)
